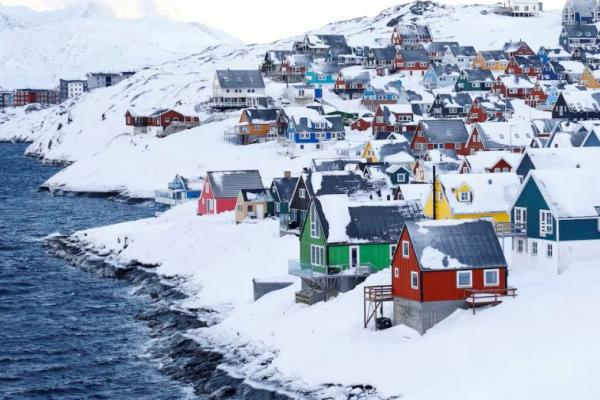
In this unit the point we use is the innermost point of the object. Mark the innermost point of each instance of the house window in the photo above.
(250, 208)
(520, 215)
(491, 277)
(314, 224)
(546, 223)
(465, 197)
(464, 279)
(520, 245)
(534, 248)
(302, 193)
(414, 280)
(317, 255)
(396, 272)
(401, 178)
(277, 207)
(392, 251)
(239, 208)
(405, 249)
(549, 251)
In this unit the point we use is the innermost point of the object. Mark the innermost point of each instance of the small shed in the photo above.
(254, 204)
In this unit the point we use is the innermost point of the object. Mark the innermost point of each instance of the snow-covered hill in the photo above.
(78, 133)
(38, 48)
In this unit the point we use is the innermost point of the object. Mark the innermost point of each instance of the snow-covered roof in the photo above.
(516, 81)
(499, 135)
(573, 67)
(312, 115)
(565, 158)
(483, 161)
(347, 221)
(570, 193)
(452, 244)
(582, 100)
(227, 184)
(230, 78)
(256, 195)
(444, 130)
(415, 191)
(490, 192)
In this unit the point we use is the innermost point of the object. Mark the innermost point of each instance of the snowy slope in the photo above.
(540, 345)
(80, 134)
(38, 48)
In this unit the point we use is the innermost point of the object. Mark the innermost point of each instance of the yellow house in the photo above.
(394, 151)
(494, 60)
(468, 196)
(588, 80)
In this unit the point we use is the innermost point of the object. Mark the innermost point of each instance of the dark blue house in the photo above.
(559, 213)
(179, 190)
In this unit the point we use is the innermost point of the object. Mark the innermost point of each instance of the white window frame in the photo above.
(467, 199)
(470, 285)
(486, 283)
(317, 255)
(405, 249)
(392, 251)
(302, 193)
(550, 250)
(534, 248)
(414, 280)
(520, 215)
(396, 272)
(401, 178)
(546, 228)
(520, 245)
(315, 231)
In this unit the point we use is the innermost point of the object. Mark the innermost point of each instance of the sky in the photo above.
(250, 21)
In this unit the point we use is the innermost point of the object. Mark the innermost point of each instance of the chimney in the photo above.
(287, 174)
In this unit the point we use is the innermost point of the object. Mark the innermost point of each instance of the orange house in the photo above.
(256, 125)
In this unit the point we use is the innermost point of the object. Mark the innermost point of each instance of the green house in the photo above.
(474, 80)
(343, 240)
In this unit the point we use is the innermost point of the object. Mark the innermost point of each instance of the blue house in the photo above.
(557, 213)
(179, 190)
(592, 139)
(552, 71)
(308, 128)
(282, 190)
(552, 93)
(322, 74)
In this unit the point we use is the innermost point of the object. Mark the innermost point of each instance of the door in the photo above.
(260, 211)
(210, 206)
(354, 257)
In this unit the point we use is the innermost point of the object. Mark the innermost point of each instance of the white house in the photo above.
(238, 89)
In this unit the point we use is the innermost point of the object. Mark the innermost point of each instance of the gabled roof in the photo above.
(261, 115)
(564, 158)
(460, 99)
(529, 62)
(501, 135)
(583, 7)
(582, 100)
(299, 60)
(483, 161)
(570, 193)
(446, 69)
(478, 75)
(468, 51)
(492, 193)
(511, 46)
(256, 195)
(439, 46)
(227, 184)
(448, 244)
(285, 188)
(240, 79)
(518, 81)
(327, 40)
(334, 164)
(326, 68)
(414, 55)
(582, 31)
(342, 182)
(383, 53)
(410, 30)
(496, 55)
(346, 221)
(444, 130)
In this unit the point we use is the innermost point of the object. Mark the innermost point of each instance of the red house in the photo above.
(440, 265)
(491, 108)
(40, 96)
(362, 124)
(221, 189)
(159, 120)
(431, 134)
(394, 118)
(413, 61)
(536, 97)
(524, 66)
(513, 86)
(519, 48)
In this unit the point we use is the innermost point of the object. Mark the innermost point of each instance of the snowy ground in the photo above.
(539, 345)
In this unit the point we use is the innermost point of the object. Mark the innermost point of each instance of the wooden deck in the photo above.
(487, 297)
(374, 297)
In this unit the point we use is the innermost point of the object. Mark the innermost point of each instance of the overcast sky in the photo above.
(251, 21)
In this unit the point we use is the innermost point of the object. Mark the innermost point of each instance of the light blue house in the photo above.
(558, 213)
(179, 190)
(322, 74)
(592, 139)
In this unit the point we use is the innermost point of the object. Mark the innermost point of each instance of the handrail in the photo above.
(492, 295)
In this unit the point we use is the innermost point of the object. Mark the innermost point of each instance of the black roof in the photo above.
(478, 75)
(329, 165)
(383, 53)
(230, 78)
(444, 130)
(414, 55)
(285, 188)
(349, 183)
(227, 184)
(262, 114)
(257, 194)
(581, 31)
(473, 244)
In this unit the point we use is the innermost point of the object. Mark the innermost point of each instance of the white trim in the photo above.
(414, 275)
(392, 251)
(405, 249)
(458, 285)
(317, 255)
(485, 282)
(350, 248)
(315, 228)
(396, 272)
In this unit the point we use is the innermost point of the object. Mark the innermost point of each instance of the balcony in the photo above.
(315, 272)
(510, 229)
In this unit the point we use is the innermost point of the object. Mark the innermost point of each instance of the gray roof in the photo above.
(532, 62)
(414, 55)
(445, 130)
(350, 184)
(439, 46)
(262, 114)
(326, 68)
(459, 99)
(227, 184)
(581, 31)
(363, 78)
(494, 55)
(258, 194)
(383, 53)
(472, 243)
(463, 51)
(230, 78)
(333, 40)
(299, 60)
(583, 7)
(478, 75)
(445, 69)
(376, 223)
(337, 125)
(338, 164)
(285, 188)
(391, 149)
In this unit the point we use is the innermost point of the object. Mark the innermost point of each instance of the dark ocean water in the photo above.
(64, 333)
